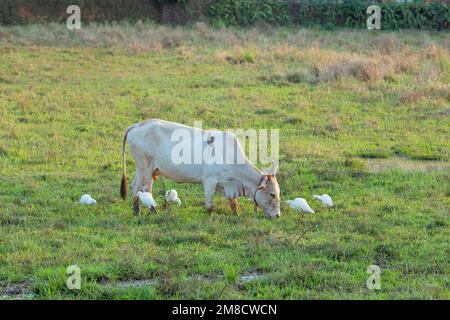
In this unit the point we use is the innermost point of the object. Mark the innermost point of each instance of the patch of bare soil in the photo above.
(380, 165)
(16, 291)
(245, 277)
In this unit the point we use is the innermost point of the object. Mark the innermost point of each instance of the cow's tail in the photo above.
(123, 182)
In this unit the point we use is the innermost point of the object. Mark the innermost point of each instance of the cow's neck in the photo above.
(251, 177)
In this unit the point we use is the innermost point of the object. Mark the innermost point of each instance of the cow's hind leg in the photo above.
(135, 186)
(136, 201)
(150, 176)
(233, 205)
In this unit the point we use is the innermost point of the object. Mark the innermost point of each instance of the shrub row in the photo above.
(324, 13)
(331, 13)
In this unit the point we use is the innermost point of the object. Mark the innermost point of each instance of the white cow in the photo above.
(157, 149)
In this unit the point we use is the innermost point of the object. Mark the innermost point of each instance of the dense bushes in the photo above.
(247, 12)
(326, 13)
(434, 15)
(8, 12)
(330, 13)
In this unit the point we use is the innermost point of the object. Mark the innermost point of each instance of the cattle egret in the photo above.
(147, 200)
(300, 204)
(326, 199)
(87, 200)
(172, 196)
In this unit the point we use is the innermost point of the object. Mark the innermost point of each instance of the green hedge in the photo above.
(348, 13)
(324, 13)
(8, 12)
(248, 12)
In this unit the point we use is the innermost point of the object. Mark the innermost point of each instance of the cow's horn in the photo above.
(272, 170)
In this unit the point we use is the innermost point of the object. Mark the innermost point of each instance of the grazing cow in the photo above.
(154, 146)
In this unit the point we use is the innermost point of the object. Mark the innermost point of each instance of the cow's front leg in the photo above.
(233, 205)
(210, 188)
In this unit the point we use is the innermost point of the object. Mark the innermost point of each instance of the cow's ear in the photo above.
(263, 183)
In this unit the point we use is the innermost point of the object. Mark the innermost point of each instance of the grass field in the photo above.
(363, 116)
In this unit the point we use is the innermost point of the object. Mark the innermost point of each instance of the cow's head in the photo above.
(267, 195)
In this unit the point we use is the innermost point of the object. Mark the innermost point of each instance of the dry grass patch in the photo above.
(386, 62)
(287, 53)
(138, 48)
(431, 51)
(331, 65)
(237, 55)
(385, 45)
(432, 92)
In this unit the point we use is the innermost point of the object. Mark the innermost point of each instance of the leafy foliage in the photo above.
(248, 12)
(8, 13)
(327, 14)
(331, 13)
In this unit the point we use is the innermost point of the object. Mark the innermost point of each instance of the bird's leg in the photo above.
(163, 191)
(233, 205)
(165, 204)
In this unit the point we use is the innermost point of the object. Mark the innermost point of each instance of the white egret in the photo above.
(300, 204)
(172, 196)
(147, 199)
(326, 199)
(86, 199)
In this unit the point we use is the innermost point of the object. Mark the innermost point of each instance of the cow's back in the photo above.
(151, 143)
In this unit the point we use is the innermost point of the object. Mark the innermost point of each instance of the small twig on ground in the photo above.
(309, 229)
(223, 289)
(163, 193)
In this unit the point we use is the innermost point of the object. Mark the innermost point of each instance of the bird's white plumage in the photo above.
(300, 204)
(326, 199)
(86, 199)
(147, 199)
(172, 196)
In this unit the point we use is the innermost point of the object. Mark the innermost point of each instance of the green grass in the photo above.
(66, 101)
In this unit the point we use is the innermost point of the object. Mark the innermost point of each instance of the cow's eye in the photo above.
(272, 195)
